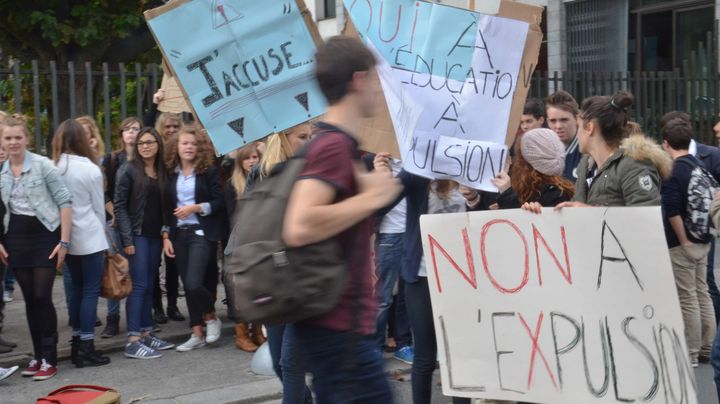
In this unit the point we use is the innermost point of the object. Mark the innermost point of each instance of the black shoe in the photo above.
(112, 326)
(159, 316)
(174, 314)
(5, 349)
(74, 347)
(7, 343)
(98, 323)
(88, 356)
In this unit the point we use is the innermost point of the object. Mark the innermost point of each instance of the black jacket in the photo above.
(129, 203)
(710, 157)
(548, 197)
(207, 189)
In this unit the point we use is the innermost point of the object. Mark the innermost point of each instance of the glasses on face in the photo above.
(131, 129)
(146, 143)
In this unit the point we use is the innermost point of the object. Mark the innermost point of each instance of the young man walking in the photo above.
(334, 197)
(688, 253)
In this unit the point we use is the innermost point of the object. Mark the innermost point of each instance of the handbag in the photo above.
(81, 393)
(115, 283)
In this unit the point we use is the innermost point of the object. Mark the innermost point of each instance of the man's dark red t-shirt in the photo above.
(331, 158)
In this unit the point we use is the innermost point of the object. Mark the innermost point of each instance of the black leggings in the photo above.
(37, 286)
(419, 311)
(171, 285)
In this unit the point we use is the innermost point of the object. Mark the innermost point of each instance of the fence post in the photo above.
(36, 105)
(138, 91)
(53, 89)
(123, 83)
(71, 80)
(88, 89)
(17, 81)
(106, 102)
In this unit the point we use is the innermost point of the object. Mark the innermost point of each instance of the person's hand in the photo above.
(184, 211)
(468, 193)
(3, 255)
(533, 207)
(129, 250)
(158, 96)
(381, 162)
(380, 187)
(59, 251)
(501, 181)
(571, 204)
(494, 206)
(168, 248)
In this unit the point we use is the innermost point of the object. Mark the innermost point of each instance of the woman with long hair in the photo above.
(196, 222)
(92, 132)
(288, 362)
(77, 162)
(167, 125)
(129, 129)
(537, 173)
(37, 223)
(138, 213)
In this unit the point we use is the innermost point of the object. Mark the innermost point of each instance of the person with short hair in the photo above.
(335, 197)
(533, 116)
(562, 118)
(687, 253)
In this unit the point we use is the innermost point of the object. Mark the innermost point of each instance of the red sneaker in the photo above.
(31, 369)
(46, 371)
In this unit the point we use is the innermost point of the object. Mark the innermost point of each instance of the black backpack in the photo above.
(264, 279)
(700, 193)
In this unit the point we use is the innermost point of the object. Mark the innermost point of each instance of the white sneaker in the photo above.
(193, 343)
(7, 296)
(213, 330)
(5, 373)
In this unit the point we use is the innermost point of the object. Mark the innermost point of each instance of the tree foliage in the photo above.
(75, 30)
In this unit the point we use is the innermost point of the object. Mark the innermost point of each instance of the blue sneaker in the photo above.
(138, 350)
(156, 343)
(405, 354)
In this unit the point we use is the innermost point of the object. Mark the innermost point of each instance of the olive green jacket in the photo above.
(630, 177)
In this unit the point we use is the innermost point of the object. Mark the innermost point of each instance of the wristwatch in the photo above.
(65, 244)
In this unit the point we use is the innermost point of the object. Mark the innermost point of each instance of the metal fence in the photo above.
(655, 94)
(50, 93)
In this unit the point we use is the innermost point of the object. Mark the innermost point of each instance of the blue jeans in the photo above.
(86, 273)
(289, 364)
(388, 257)
(143, 266)
(9, 280)
(345, 366)
(113, 306)
(712, 286)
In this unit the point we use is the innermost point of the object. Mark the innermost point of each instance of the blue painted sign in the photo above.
(247, 66)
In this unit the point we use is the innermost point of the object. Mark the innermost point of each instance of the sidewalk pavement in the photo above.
(235, 383)
(16, 330)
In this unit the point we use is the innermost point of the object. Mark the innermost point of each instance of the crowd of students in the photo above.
(165, 202)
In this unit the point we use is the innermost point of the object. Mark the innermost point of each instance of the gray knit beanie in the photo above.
(544, 151)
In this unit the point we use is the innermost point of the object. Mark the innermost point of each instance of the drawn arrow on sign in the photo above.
(302, 98)
(238, 126)
(227, 13)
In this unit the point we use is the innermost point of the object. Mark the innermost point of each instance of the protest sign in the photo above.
(577, 306)
(247, 67)
(452, 80)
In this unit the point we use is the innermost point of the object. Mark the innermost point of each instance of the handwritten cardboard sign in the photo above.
(453, 81)
(572, 307)
(245, 66)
